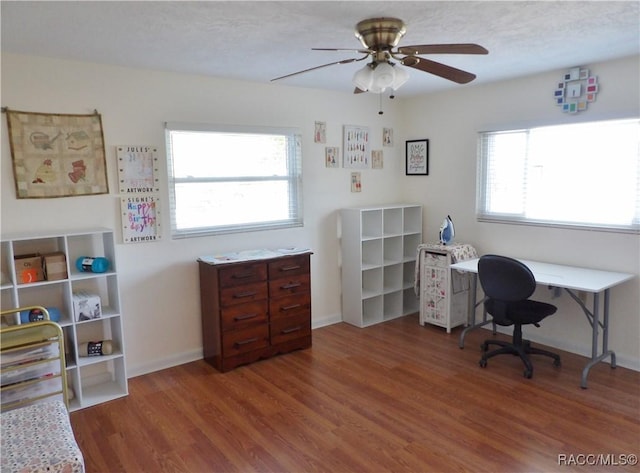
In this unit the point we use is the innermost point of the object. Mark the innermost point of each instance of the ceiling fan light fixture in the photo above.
(376, 77)
(383, 75)
(401, 76)
(375, 89)
(363, 78)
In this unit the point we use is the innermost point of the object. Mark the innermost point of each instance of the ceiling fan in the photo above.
(380, 36)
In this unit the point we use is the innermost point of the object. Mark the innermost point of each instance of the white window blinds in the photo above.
(585, 175)
(233, 179)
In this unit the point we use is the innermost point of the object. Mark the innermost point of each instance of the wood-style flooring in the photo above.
(393, 397)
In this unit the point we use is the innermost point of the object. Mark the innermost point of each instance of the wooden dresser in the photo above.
(254, 305)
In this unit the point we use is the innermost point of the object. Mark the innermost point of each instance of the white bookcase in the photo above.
(92, 379)
(378, 262)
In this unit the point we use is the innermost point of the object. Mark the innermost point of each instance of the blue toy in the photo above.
(35, 315)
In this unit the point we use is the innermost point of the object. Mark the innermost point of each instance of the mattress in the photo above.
(39, 438)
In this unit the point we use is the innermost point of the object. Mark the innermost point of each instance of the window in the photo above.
(584, 175)
(233, 179)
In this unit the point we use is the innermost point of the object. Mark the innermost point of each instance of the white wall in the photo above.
(159, 281)
(451, 121)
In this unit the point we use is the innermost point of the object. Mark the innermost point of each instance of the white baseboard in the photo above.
(194, 355)
(329, 320)
(582, 349)
(163, 363)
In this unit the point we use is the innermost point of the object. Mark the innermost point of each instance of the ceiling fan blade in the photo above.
(462, 48)
(361, 51)
(344, 61)
(438, 69)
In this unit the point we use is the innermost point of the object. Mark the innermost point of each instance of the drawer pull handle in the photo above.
(238, 318)
(245, 342)
(291, 330)
(241, 295)
(291, 285)
(290, 268)
(289, 307)
(243, 275)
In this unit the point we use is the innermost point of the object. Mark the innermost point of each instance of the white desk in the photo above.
(571, 279)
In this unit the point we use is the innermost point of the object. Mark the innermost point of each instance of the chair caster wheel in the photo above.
(528, 374)
(483, 363)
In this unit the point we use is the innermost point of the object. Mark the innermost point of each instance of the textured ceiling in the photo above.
(257, 41)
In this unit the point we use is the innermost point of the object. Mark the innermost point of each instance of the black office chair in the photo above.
(507, 284)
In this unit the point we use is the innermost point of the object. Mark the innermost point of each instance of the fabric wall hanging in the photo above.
(57, 155)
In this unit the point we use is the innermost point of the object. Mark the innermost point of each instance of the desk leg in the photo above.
(471, 320)
(595, 323)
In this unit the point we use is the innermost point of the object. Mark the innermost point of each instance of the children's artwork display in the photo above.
(57, 155)
(356, 151)
(140, 218)
(137, 169)
(138, 177)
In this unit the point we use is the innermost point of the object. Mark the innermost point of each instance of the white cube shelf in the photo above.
(379, 246)
(92, 379)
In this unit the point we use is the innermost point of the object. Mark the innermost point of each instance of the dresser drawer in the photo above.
(254, 308)
(287, 267)
(284, 329)
(241, 341)
(290, 305)
(241, 294)
(291, 285)
(238, 274)
(244, 314)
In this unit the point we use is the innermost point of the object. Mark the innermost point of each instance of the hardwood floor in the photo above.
(392, 397)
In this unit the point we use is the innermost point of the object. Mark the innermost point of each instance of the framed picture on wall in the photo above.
(320, 132)
(140, 218)
(332, 157)
(387, 137)
(417, 158)
(356, 150)
(376, 159)
(137, 169)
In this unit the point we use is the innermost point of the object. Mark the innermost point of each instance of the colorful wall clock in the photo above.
(577, 89)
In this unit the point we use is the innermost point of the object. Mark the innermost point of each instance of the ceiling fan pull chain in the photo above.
(380, 98)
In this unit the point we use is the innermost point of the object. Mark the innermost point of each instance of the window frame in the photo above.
(294, 179)
(483, 214)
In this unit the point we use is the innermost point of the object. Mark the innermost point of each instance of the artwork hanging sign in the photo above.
(57, 155)
(137, 169)
(140, 218)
